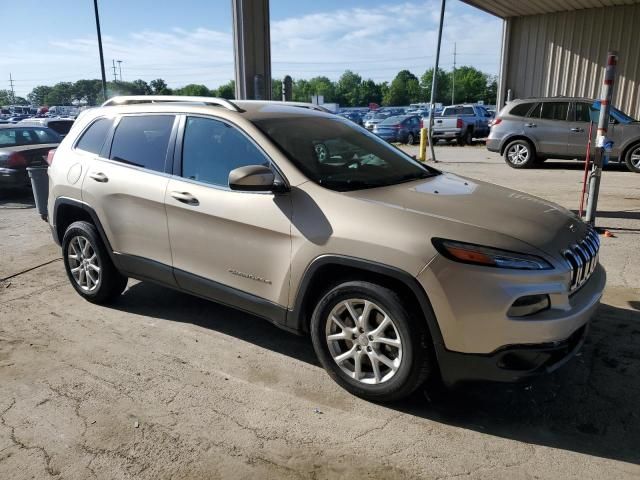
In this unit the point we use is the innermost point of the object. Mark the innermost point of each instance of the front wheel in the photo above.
(88, 265)
(368, 343)
(519, 154)
(633, 159)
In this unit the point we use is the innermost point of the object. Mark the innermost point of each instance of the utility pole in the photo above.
(115, 75)
(601, 137)
(434, 83)
(453, 77)
(13, 92)
(120, 67)
(104, 77)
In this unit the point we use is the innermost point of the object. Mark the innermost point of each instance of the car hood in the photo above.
(537, 222)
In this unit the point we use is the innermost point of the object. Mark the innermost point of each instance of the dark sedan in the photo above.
(22, 147)
(401, 128)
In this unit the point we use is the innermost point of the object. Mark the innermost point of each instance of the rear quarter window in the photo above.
(521, 109)
(93, 138)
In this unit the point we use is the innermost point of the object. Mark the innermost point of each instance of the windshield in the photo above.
(16, 137)
(340, 156)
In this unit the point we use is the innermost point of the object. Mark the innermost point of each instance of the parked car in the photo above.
(373, 118)
(402, 128)
(529, 131)
(22, 147)
(396, 270)
(59, 125)
(462, 123)
(355, 117)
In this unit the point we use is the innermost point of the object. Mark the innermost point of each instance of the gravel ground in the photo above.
(163, 385)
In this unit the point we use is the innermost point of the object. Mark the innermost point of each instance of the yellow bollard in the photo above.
(424, 138)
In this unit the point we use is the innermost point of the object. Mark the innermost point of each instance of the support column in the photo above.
(504, 64)
(252, 48)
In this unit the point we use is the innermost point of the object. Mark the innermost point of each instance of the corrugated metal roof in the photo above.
(519, 8)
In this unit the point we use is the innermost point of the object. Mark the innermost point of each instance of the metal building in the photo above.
(559, 47)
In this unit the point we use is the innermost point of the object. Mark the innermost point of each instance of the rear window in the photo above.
(521, 109)
(554, 110)
(142, 141)
(61, 127)
(455, 111)
(16, 137)
(93, 138)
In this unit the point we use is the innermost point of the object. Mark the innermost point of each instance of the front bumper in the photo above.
(480, 341)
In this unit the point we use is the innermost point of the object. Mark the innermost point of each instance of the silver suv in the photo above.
(397, 271)
(529, 131)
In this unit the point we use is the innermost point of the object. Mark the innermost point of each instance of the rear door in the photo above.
(126, 185)
(578, 137)
(547, 125)
(223, 241)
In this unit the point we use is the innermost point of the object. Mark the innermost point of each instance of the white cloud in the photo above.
(376, 42)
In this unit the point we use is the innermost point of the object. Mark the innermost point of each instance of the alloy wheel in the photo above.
(364, 341)
(518, 154)
(635, 158)
(84, 263)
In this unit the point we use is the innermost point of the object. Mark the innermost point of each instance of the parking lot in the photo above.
(162, 384)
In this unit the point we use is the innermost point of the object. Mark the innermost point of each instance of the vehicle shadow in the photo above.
(590, 406)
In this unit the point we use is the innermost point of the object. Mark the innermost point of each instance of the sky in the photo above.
(190, 41)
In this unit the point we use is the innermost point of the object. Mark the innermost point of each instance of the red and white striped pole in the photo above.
(601, 136)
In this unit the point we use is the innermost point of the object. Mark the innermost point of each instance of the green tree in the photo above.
(322, 86)
(443, 93)
(470, 84)
(348, 89)
(370, 92)
(301, 91)
(141, 87)
(38, 94)
(87, 91)
(276, 89)
(159, 87)
(491, 93)
(228, 90)
(404, 89)
(61, 94)
(193, 90)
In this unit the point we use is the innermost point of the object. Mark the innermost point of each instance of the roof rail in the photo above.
(133, 99)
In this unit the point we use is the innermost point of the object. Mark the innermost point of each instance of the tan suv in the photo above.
(396, 270)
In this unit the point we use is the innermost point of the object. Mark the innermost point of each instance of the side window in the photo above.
(212, 149)
(555, 110)
(521, 109)
(142, 141)
(535, 113)
(582, 112)
(93, 138)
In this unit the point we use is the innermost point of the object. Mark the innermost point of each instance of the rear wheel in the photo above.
(519, 154)
(411, 139)
(368, 342)
(633, 159)
(88, 265)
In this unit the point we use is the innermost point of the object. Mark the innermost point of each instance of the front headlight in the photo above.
(488, 257)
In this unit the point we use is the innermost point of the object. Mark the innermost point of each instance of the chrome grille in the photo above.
(582, 258)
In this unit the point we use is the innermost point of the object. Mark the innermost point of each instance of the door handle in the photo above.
(577, 130)
(530, 125)
(99, 177)
(185, 197)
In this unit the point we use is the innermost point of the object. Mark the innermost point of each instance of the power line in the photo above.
(13, 92)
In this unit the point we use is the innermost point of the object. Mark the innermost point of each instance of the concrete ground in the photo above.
(163, 385)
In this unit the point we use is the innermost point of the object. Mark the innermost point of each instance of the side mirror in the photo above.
(252, 178)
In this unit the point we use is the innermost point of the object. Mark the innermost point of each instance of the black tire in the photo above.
(415, 361)
(468, 137)
(632, 159)
(410, 139)
(110, 283)
(520, 154)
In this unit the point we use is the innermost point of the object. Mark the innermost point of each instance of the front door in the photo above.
(226, 243)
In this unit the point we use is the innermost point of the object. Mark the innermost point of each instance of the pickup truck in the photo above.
(462, 123)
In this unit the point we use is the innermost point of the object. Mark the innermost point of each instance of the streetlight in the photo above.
(104, 78)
